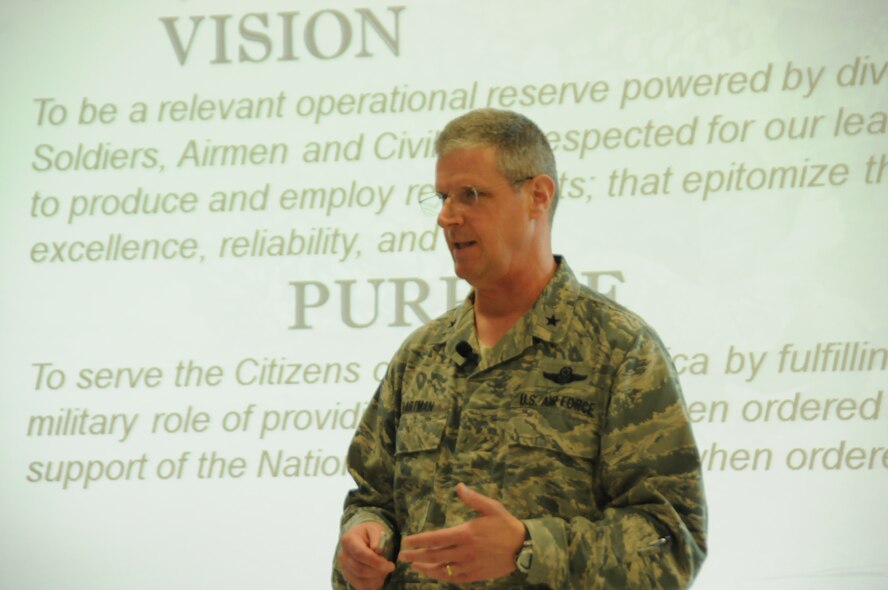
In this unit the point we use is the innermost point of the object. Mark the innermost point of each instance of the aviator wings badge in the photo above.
(564, 376)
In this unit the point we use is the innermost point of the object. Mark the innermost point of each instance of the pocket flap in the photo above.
(420, 431)
(555, 430)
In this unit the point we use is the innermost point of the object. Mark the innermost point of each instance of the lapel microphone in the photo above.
(465, 350)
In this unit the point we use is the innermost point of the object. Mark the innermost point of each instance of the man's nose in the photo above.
(450, 213)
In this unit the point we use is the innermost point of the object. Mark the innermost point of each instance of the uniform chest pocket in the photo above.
(554, 429)
(420, 431)
(553, 436)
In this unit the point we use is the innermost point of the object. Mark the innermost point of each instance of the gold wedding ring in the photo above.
(449, 571)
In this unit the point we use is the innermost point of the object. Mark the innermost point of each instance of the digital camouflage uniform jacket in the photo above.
(574, 421)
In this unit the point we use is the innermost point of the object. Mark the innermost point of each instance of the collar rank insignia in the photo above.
(564, 376)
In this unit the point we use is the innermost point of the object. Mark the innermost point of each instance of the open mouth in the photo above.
(463, 245)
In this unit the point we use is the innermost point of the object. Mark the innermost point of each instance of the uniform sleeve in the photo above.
(370, 462)
(653, 530)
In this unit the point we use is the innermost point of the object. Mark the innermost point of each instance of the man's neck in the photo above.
(497, 309)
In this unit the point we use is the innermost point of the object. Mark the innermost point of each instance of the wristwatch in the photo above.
(524, 557)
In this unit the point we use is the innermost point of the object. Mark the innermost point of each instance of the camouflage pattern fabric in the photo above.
(574, 420)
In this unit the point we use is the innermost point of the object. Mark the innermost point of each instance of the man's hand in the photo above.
(360, 556)
(481, 549)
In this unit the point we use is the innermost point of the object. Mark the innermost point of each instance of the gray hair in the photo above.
(521, 147)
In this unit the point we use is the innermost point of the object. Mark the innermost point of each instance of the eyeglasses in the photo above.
(466, 196)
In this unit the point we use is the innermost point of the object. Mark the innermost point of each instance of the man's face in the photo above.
(488, 241)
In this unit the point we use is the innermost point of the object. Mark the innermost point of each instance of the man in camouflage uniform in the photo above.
(535, 437)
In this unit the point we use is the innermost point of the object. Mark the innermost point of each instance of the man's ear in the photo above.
(542, 190)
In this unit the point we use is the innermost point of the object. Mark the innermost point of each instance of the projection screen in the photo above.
(211, 246)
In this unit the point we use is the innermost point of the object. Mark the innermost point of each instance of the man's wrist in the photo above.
(524, 555)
